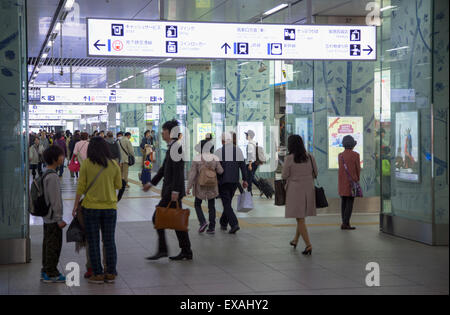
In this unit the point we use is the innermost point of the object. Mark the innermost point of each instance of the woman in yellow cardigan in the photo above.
(99, 178)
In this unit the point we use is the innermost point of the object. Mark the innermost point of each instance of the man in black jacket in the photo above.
(232, 161)
(173, 190)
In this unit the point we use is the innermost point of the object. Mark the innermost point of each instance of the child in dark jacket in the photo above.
(53, 222)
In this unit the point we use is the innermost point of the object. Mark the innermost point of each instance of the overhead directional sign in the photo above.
(131, 38)
(68, 109)
(75, 95)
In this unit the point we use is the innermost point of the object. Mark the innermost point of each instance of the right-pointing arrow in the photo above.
(369, 50)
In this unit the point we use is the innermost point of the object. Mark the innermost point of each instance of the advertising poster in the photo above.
(258, 129)
(301, 129)
(338, 128)
(407, 164)
(134, 135)
(202, 131)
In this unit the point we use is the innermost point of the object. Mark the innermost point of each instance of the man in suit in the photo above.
(173, 190)
(232, 160)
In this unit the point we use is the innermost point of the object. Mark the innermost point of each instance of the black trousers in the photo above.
(51, 249)
(226, 192)
(183, 237)
(347, 209)
(211, 211)
(251, 177)
(34, 167)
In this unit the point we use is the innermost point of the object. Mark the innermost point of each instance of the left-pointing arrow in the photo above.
(96, 45)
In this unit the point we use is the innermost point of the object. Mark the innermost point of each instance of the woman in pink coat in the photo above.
(299, 171)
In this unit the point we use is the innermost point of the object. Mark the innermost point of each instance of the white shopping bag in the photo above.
(245, 202)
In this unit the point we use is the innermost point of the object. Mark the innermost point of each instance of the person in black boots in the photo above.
(173, 189)
(232, 161)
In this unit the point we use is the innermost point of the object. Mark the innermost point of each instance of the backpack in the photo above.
(115, 154)
(37, 205)
(207, 177)
(260, 156)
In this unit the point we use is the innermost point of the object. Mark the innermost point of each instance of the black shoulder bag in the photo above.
(131, 159)
(321, 199)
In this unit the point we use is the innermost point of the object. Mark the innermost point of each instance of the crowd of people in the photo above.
(214, 174)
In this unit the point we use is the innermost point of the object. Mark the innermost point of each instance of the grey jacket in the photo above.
(52, 190)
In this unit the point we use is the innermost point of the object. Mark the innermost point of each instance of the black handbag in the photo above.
(280, 192)
(321, 199)
(75, 232)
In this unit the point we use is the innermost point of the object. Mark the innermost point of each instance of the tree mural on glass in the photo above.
(248, 93)
(199, 95)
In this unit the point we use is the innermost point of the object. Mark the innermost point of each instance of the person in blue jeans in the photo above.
(100, 177)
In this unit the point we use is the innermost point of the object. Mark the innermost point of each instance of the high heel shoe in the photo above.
(308, 251)
(293, 244)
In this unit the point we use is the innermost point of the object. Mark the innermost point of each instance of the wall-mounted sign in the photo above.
(75, 95)
(43, 123)
(338, 128)
(131, 38)
(68, 109)
(299, 96)
(54, 117)
(218, 96)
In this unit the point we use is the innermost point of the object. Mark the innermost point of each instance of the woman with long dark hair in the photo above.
(299, 171)
(99, 178)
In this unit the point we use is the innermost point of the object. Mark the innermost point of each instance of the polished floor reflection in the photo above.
(257, 260)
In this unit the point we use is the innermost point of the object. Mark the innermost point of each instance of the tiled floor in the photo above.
(257, 260)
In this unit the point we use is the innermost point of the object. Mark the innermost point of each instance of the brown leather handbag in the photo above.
(172, 218)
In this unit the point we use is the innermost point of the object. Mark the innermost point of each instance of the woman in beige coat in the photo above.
(205, 161)
(299, 171)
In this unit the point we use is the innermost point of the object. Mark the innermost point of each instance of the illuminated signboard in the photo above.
(68, 109)
(131, 38)
(47, 123)
(55, 117)
(74, 95)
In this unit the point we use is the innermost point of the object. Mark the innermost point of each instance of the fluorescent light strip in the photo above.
(388, 8)
(400, 48)
(276, 9)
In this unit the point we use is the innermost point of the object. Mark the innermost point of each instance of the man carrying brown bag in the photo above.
(172, 192)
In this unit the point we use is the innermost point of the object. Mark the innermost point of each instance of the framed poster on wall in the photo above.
(134, 135)
(338, 128)
(407, 158)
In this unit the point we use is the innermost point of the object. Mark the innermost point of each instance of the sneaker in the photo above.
(58, 279)
(109, 278)
(89, 273)
(223, 228)
(202, 227)
(98, 279)
(42, 275)
(210, 231)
